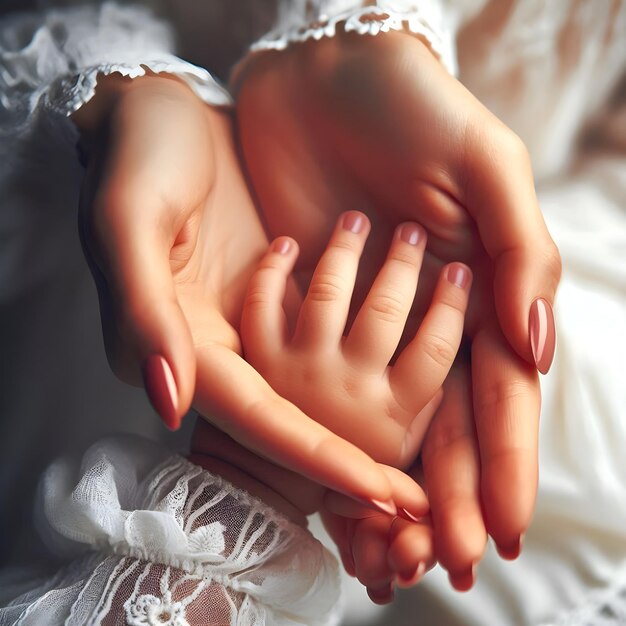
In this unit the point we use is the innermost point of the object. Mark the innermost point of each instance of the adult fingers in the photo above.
(451, 467)
(146, 333)
(241, 403)
(507, 403)
(408, 497)
(500, 195)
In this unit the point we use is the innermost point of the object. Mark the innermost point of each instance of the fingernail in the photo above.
(381, 596)
(410, 233)
(281, 246)
(407, 515)
(458, 275)
(388, 507)
(354, 222)
(161, 389)
(510, 553)
(542, 334)
(408, 580)
(463, 580)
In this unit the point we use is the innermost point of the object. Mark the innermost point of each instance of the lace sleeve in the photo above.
(302, 20)
(50, 60)
(149, 539)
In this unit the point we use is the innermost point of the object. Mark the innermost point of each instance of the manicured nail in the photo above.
(410, 233)
(354, 222)
(407, 515)
(388, 507)
(405, 580)
(381, 596)
(542, 334)
(161, 389)
(463, 580)
(458, 275)
(281, 246)
(510, 553)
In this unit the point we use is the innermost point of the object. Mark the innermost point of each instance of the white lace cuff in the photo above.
(423, 19)
(52, 59)
(150, 539)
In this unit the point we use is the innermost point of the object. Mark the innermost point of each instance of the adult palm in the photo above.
(377, 124)
(172, 236)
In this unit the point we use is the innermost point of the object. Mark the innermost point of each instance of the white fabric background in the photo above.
(550, 71)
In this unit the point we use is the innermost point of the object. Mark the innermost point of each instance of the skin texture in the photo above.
(171, 255)
(343, 378)
(377, 124)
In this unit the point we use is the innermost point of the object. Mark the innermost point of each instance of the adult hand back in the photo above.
(376, 124)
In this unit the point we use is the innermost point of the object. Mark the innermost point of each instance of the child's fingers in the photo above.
(378, 327)
(409, 498)
(263, 322)
(370, 546)
(424, 364)
(340, 532)
(324, 312)
(411, 551)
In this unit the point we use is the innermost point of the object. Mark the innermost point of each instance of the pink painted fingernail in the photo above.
(410, 233)
(281, 246)
(388, 507)
(407, 515)
(542, 334)
(459, 275)
(463, 580)
(510, 553)
(381, 596)
(354, 222)
(161, 389)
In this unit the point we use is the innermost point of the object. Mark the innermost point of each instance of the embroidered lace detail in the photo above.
(422, 19)
(164, 542)
(51, 60)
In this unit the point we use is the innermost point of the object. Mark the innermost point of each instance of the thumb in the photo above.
(501, 197)
(146, 334)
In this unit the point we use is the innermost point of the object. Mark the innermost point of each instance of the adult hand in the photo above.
(172, 236)
(376, 124)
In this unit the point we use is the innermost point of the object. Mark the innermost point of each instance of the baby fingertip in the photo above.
(459, 275)
(283, 246)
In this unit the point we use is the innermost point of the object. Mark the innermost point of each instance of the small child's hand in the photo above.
(341, 377)
(382, 551)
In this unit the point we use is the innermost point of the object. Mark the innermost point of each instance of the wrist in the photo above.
(112, 89)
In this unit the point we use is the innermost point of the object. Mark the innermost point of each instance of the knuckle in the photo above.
(257, 298)
(553, 261)
(404, 259)
(498, 395)
(388, 306)
(440, 350)
(326, 287)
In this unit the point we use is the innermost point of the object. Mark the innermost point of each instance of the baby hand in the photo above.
(340, 376)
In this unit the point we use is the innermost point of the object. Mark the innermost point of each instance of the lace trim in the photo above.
(421, 20)
(70, 93)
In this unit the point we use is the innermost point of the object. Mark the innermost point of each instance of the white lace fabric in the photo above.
(154, 540)
(322, 18)
(51, 60)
